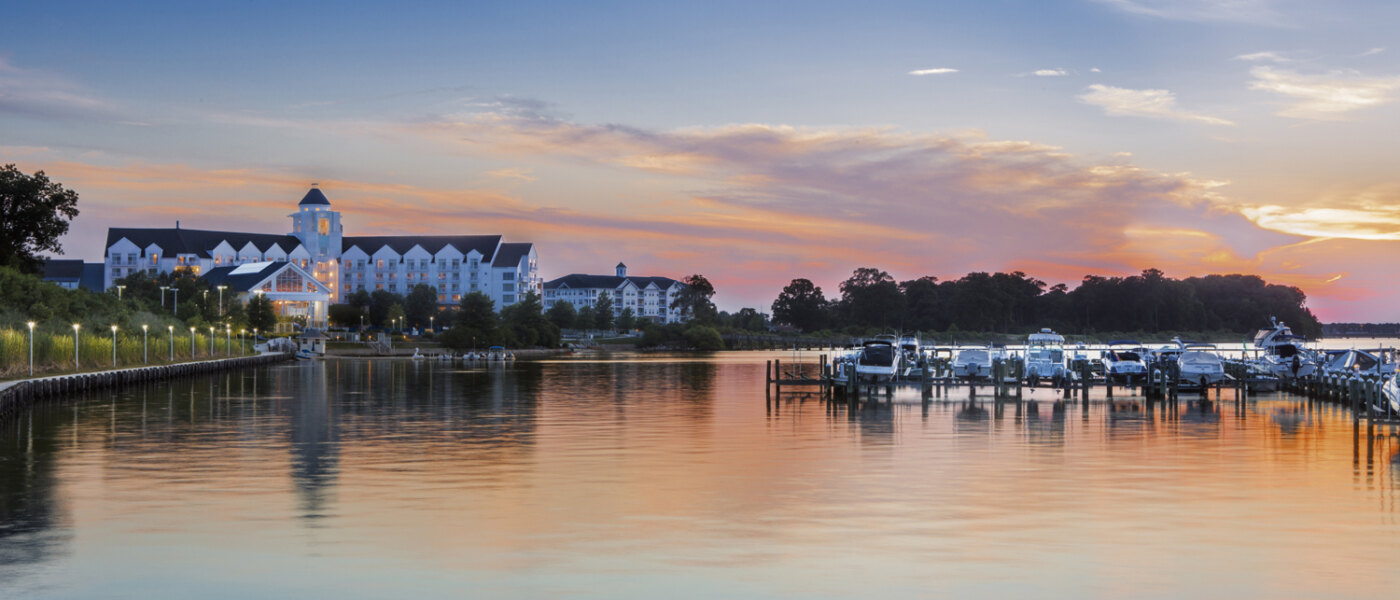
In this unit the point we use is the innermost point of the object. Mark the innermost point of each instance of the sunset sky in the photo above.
(751, 142)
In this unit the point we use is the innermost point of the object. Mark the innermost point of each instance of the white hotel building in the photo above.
(649, 297)
(453, 265)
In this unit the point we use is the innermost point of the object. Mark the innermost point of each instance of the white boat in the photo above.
(1283, 352)
(1390, 394)
(878, 360)
(1045, 355)
(1356, 361)
(1199, 366)
(1123, 361)
(911, 350)
(498, 353)
(976, 363)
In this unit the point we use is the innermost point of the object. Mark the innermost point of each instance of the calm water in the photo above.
(673, 478)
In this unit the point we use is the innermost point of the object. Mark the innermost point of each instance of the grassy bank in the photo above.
(53, 352)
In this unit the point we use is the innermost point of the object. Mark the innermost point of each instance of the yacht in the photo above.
(1283, 352)
(1390, 395)
(878, 359)
(1123, 361)
(1356, 361)
(1045, 355)
(911, 351)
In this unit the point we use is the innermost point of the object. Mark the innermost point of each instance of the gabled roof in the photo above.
(196, 241)
(485, 245)
(63, 270)
(314, 197)
(511, 254)
(242, 278)
(579, 280)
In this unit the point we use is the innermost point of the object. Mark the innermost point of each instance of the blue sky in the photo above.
(752, 142)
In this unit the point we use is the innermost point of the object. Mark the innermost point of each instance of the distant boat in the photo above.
(1123, 361)
(976, 363)
(878, 359)
(1390, 395)
(1199, 366)
(1283, 352)
(1356, 361)
(1045, 355)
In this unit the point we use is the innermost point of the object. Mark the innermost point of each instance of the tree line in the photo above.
(1014, 302)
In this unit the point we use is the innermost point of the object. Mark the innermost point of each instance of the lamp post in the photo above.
(221, 299)
(191, 343)
(240, 341)
(162, 295)
(145, 344)
(31, 348)
(76, 327)
(228, 339)
(255, 338)
(172, 342)
(119, 292)
(175, 303)
(211, 341)
(430, 324)
(114, 346)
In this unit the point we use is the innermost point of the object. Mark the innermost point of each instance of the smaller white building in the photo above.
(296, 295)
(649, 297)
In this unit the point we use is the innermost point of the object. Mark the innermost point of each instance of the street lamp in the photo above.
(114, 346)
(31, 348)
(119, 292)
(162, 295)
(430, 324)
(241, 331)
(255, 338)
(191, 343)
(228, 339)
(145, 344)
(172, 342)
(211, 339)
(221, 299)
(76, 327)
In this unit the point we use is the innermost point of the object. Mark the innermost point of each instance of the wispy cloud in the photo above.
(1372, 52)
(1050, 73)
(1253, 12)
(934, 71)
(1267, 55)
(1326, 96)
(1370, 214)
(37, 94)
(1156, 104)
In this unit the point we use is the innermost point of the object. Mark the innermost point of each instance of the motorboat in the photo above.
(1123, 361)
(1390, 394)
(1045, 355)
(912, 350)
(976, 362)
(1283, 352)
(1356, 361)
(1199, 366)
(496, 353)
(878, 359)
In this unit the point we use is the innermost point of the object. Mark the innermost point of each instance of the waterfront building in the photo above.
(453, 265)
(73, 274)
(295, 294)
(649, 297)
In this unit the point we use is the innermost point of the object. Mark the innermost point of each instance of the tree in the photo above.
(261, 314)
(34, 213)
(360, 299)
(603, 311)
(584, 319)
(627, 320)
(379, 303)
(396, 316)
(526, 321)
(749, 319)
(801, 305)
(344, 315)
(420, 304)
(562, 314)
(693, 300)
(477, 324)
(870, 298)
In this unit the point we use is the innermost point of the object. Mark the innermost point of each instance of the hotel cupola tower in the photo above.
(317, 226)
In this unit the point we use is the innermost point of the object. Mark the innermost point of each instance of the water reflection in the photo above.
(645, 476)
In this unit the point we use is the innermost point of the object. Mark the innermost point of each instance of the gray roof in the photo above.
(511, 254)
(197, 241)
(579, 280)
(242, 282)
(483, 244)
(314, 197)
(94, 277)
(67, 270)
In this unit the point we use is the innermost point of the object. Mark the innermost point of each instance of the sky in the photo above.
(751, 142)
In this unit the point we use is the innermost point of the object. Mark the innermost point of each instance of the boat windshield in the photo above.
(973, 356)
(1122, 356)
(1199, 358)
(877, 354)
